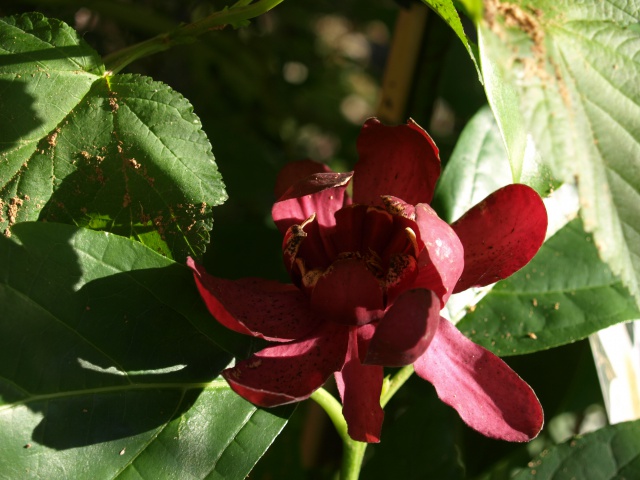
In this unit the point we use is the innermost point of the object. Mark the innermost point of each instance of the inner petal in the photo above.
(375, 233)
(348, 293)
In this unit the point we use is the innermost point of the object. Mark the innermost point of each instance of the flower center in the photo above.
(385, 245)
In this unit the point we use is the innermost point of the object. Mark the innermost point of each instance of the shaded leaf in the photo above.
(419, 438)
(561, 78)
(564, 294)
(108, 365)
(118, 153)
(610, 453)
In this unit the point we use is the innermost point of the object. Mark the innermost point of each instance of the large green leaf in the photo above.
(561, 77)
(108, 365)
(607, 454)
(565, 294)
(118, 153)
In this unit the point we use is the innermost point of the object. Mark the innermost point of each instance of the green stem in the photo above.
(395, 383)
(187, 33)
(353, 451)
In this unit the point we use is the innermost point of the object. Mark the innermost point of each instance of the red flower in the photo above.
(369, 281)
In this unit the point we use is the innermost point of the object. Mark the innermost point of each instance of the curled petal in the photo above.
(500, 235)
(293, 172)
(321, 194)
(441, 262)
(253, 306)
(406, 330)
(360, 387)
(401, 161)
(489, 396)
(290, 372)
(348, 293)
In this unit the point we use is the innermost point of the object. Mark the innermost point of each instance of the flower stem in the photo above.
(395, 383)
(235, 15)
(353, 451)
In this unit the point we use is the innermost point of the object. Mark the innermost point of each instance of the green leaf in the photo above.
(610, 453)
(446, 10)
(478, 166)
(118, 153)
(564, 294)
(108, 365)
(561, 78)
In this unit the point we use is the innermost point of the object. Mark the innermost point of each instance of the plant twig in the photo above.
(188, 33)
(395, 383)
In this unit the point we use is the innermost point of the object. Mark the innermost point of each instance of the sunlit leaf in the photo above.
(564, 294)
(118, 153)
(561, 77)
(607, 454)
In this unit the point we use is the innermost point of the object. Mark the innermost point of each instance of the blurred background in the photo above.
(298, 83)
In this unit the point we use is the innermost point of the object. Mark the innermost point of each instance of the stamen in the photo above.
(294, 238)
(411, 235)
(310, 278)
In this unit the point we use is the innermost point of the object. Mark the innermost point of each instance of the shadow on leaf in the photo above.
(100, 338)
(18, 120)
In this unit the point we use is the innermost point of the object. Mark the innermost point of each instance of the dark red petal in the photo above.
(406, 330)
(321, 194)
(401, 161)
(441, 262)
(253, 306)
(348, 293)
(293, 172)
(347, 236)
(290, 372)
(500, 235)
(363, 229)
(360, 387)
(489, 396)
(365, 334)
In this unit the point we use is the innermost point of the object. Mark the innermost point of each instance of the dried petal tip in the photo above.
(395, 206)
